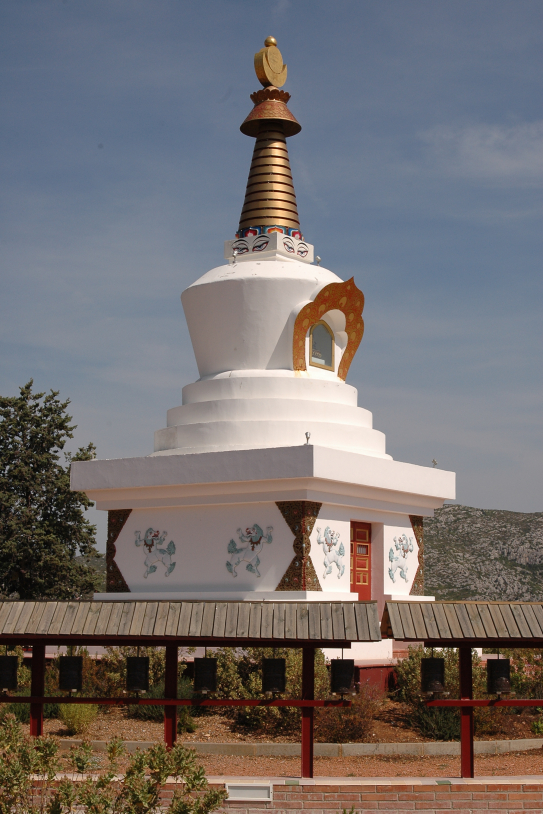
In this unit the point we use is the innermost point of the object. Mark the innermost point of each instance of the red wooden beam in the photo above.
(486, 702)
(176, 702)
(170, 691)
(467, 761)
(308, 694)
(162, 641)
(36, 689)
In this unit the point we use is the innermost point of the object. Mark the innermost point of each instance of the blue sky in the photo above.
(419, 170)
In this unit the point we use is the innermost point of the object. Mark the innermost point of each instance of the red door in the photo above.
(361, 559)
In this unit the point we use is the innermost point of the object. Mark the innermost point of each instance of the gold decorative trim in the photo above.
(267, 94)
(115, 582)
(300, 516)
(417, 524)
(330, 331)
(344, 297)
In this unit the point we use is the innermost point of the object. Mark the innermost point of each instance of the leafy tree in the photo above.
(42, 523)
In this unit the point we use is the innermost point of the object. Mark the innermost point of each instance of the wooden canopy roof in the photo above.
(452, 624)
(287, 624)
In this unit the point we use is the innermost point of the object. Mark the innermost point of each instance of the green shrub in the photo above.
(28, 782)
(537, 727)
(526, 671)
(443, 723)
(154, 712)
(348, 725)
(77, 717)
(113, 667)
(437, 723)
(240, 676)
(22, 710)
(22, 759)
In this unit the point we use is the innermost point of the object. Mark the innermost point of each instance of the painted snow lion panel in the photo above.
(401, 558)
(248, 549)
(156, 551)
(333, 550)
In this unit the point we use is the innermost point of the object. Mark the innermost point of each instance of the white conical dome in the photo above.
(255, 322)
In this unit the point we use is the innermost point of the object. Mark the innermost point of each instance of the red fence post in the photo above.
(467, 763)
(308, 694)
(170, 691)
(37, 689)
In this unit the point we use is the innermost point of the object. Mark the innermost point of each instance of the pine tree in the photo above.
(42, 523)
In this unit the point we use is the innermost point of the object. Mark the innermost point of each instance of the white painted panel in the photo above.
(330, 542)
(196, 543)
(401, 559)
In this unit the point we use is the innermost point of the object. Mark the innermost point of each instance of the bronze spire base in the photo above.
(270, 104)
(270, 198)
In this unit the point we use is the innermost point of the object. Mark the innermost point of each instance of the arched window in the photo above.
(321, 346)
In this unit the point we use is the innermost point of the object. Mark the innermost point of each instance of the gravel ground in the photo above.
(514, 763)
(216, 729)
(391, 725)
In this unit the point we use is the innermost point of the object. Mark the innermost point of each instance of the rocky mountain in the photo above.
(483, 554)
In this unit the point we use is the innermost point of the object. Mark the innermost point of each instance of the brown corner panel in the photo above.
(300, 517)
(417, 589)
(115, 582)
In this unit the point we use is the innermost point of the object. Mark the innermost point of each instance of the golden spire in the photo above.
(270, 200)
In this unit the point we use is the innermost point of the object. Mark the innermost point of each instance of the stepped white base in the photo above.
(266, 409)
(363, 651)
(231, 596)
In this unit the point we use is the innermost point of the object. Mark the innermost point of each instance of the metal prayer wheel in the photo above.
(341, 676)
(432, 675)
(498, 676)
(8, 672)
(70, 673)
(273, 676)
(137, 673)
(205, 675)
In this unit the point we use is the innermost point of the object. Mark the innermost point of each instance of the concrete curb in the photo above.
(331, 749)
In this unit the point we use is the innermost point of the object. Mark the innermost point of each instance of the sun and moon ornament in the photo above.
(269, 66)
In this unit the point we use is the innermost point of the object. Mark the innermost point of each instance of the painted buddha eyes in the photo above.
(240, 247)
(261, 244)
(289, 245)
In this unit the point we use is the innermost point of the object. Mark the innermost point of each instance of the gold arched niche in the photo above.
(344, 297)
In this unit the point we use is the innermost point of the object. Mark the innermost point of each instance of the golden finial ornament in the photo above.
(270, 200)
(269, 66)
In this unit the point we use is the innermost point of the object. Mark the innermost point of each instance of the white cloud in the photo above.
(281, 7)
(502, 155)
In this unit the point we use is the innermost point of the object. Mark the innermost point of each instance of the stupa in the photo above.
(268, 482)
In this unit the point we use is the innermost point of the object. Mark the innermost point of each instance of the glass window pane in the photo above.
(321, 346)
